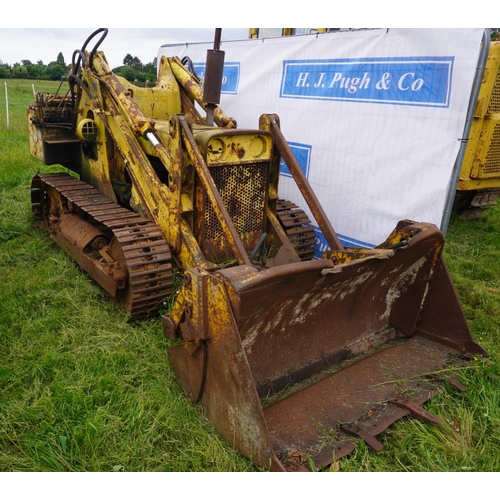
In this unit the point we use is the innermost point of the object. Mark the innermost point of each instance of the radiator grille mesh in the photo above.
(494, 105)
(243, 190)
(492, 163)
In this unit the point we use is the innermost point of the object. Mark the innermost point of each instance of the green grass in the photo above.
(83, 390)
(80, 388)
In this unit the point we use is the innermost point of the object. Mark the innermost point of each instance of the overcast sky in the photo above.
(21, 35)
(35, 44)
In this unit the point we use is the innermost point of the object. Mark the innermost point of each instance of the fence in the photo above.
(17, 94)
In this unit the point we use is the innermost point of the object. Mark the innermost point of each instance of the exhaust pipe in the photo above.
(213, 77)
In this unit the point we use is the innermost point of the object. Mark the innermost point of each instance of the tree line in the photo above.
(132, 69)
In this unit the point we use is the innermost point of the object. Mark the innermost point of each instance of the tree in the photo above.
(5, 70)
(151, 67)
(60, 59)
(19, 71)
(129, 73)
(127, 60)
(36, 72)
(132, 62)
(55, 71)
(495, 34)
(132, 70)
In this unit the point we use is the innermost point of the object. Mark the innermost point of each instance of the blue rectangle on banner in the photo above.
(415, 81)
(302, 153)
(230, 76)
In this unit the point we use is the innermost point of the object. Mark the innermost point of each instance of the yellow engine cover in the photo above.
(481, 166)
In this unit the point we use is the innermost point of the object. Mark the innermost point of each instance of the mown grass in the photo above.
(83, 390)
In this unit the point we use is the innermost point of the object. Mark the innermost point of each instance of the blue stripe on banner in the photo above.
(415, 81)
(302, 153)
(230, 76)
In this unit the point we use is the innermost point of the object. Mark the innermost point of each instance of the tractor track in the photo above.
(295, 222)
(145, 253)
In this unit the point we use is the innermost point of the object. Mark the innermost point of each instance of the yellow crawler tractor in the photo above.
(295, 359)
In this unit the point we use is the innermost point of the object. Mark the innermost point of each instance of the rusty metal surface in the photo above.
(331, 343)
(356, 431)
(228, 390)
(243, 191)
(212, 83)
(443, 319)
(206, 180)
(416, 411)
(330, 310)
(191, 86)
(297, 227)
(307, 421)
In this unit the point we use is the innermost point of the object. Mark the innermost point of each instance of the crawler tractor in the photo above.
(295, 359)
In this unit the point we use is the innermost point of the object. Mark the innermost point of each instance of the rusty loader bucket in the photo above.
(298, 360)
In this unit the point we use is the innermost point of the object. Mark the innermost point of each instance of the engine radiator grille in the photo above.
(492, 163)
(494, 104)
(243, 189)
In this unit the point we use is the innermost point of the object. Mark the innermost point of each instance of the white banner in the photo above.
(374, 117)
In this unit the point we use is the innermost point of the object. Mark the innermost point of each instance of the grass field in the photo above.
(83, 390)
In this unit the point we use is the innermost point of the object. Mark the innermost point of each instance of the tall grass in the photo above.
(83, 390)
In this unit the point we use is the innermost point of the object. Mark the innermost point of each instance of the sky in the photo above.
(44, 44)
(25, 32)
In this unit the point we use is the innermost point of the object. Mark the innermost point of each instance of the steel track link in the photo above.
(144, 252)
(295, 223)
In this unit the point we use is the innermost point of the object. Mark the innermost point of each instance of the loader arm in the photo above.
(126, 124)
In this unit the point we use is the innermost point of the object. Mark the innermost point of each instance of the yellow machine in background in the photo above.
(271, 32)
(479, 182)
